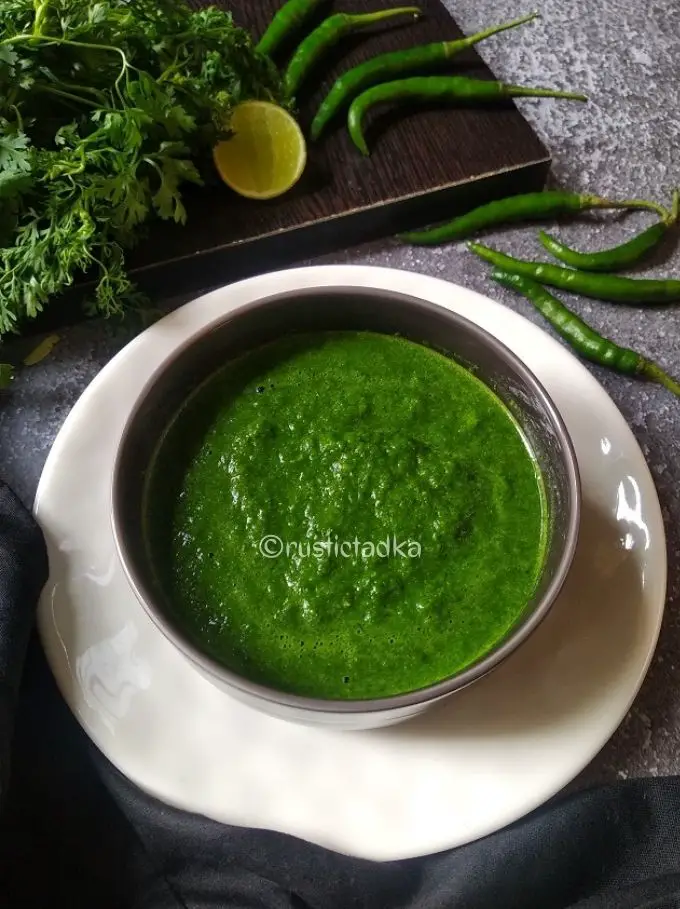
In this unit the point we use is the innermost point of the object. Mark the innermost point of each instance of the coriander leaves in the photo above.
(107, 111)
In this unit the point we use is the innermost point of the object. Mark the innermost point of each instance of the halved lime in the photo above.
(267, 153)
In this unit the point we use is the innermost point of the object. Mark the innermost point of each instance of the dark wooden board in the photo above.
(424, 166)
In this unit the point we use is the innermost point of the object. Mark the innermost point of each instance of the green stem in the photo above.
(74, 86)
(20, 120)
(40, 7)
(519, 91)
(656, 374)
(646, 205)
(52, 39)
(51, 90)
(477, 38)
(169, 71)
(148, 160)
(380, 15)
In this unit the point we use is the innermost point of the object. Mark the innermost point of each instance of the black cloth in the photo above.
(75, 833)
(23, 572)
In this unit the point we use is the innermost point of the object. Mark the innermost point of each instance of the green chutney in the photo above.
(345, 515)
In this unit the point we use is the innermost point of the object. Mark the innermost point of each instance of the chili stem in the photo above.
(523, 91)
(644, 204)
(656, 374)
(492, 30)
(378, 16)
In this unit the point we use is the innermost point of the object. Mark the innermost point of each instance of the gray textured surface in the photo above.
(625, 142)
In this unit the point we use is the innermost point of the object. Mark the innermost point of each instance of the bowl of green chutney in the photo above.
(344, 504)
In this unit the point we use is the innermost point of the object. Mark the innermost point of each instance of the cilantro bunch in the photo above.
(106, 111)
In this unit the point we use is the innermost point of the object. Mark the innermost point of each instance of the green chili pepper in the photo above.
(524, 207)
(287, 20)
(608, 259)
(600, 287)
(584, 339)
(439, 88)
(329, 33)
(397, 63)
(616, 257)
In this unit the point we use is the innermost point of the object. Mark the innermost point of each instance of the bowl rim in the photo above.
(417, 697)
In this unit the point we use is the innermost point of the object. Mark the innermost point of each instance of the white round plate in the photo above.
(473, 764)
